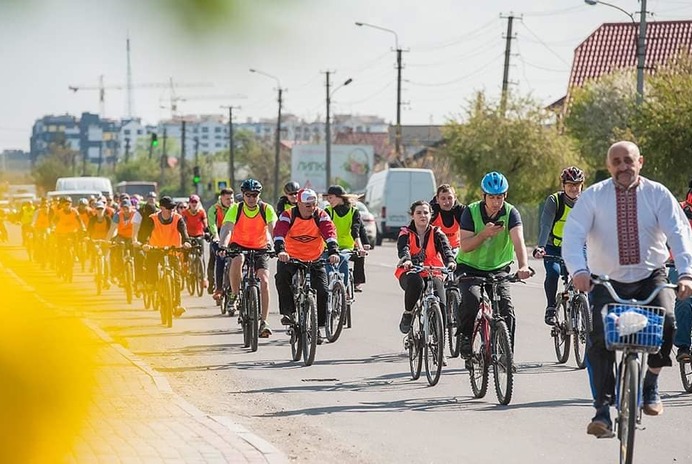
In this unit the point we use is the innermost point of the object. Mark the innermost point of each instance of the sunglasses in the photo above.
(193, 202)
(181, 208)
(251, 195)
(292, 193)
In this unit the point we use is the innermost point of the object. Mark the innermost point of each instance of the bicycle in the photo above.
(100, 265)
(194, 277)
(303, 332)
(340, 300)
(127, 276)
(250, 303)
(572, 319)
(453, 296)
(167, 283)
(491, 342)
(65, 259)
(631, 327)
(426, 335)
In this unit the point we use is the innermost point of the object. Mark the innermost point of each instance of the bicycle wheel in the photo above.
(686, 375)
(349, 299)
(199, 276)
(434, 344)
(627, 416)
(189, 279)
(128, 279)
(478, 366)
(415, 349)
(252, 315)
(69, 265)
(453, 302)
(336, 313)
(502, 363)
(147, 298)
(168, 301)
(560, 333)
(309, 331)
(580, 308)
(98, 277)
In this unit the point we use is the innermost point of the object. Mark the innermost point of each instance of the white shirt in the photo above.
(613, 231)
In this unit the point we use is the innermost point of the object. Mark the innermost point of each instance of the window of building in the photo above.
(126, 132)
(205, 129)
(217, 129)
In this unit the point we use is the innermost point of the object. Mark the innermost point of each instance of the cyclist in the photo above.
(181, 207)
(624, 222)
(196, 221)
(491, 233)
(249, 224)
(446, 214)
(41, 220)
(169, 231)
(347, 222)
(84, 211)
(141, 231)
(98, 228)
(301, 233)
(67, 223)
(288, 199)
(123, 223)
(420, 243)
(215, 216)
(555, 211)
(683, 308)
(26, 217)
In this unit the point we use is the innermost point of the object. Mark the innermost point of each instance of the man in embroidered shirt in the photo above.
(625, 222)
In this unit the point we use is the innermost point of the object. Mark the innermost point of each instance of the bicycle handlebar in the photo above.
(495, 278)
(415, 269)
(604, 281)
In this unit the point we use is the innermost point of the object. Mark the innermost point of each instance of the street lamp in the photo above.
(397, 139)
(328, 129)
(641, 41)
(278, 130)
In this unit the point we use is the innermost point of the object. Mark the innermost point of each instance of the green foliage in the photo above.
(61, 161)
(138, 167)
(663, 125)
(600, 114)
(522, 145)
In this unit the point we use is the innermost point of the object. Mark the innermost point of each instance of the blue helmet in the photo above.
(251, 185)
(494, 183)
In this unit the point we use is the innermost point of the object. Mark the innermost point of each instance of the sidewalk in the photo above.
(133, 415)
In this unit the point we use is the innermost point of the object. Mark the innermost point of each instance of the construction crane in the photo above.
(101, 87)
(175, 99)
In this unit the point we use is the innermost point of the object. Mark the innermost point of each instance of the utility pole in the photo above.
(278, 147)
(328, 138)
(183, 174)
(231, 146)
(196, 163)
(129, 80)
(127, 149)
(508, 53)
(641, 52)
(397, 137)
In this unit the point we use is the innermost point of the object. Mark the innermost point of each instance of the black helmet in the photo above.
(573, 175)
(251, 185)
(291, 187)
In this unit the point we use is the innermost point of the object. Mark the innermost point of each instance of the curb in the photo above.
(271, 454)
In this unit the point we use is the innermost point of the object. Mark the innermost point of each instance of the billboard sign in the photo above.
(351, 166)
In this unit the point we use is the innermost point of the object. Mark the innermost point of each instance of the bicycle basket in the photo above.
(637, 328)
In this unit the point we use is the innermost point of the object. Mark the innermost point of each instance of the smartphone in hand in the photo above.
(500, 223)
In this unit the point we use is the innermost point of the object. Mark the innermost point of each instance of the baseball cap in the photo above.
(307, 196)
(100, 205)
(167, 202)
(193, 198)
(126, 203)
(337, 190)
(151, 195)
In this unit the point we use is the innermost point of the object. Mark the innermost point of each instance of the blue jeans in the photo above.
(553, 271)
(683, 316)
(342, 266)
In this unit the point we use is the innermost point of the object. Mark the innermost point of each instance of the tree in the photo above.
(600, 114)
(523, 145)
(663, 125)
(60, 161)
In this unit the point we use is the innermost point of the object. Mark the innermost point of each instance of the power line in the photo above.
(458, 79)
(369, 97)
(449, 43)
(544, 44)
(453, 60)
(553, 12)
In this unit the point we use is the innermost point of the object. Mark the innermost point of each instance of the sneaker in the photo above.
(549, 316)
(358, 288)
(601, 426)
(205, 283)
(465, 350)
(210, 289)
(264, 330)
(683, 354)
(405, 323)
(653, 406)
(321, 338)
(232, 304)
(178, 311)
(287, 320)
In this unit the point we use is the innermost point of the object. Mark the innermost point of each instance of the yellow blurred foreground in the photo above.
(46, 363)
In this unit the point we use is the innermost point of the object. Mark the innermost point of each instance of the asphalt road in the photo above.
(357, 402)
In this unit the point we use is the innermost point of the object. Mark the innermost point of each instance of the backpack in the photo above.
(262, 207)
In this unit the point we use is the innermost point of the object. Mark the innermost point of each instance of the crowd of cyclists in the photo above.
(626, 227)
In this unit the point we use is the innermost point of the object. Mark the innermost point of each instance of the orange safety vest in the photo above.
(304, 239)
(99, 231)
(42, 220)
(453, 233)
(67, 223)
(165, 235)
(432, 257)
(125, 228)
(250, 232)
(84, 215)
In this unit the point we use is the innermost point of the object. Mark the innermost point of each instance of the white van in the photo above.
(101, 184)
(389, 195)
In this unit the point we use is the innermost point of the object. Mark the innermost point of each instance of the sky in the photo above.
(451, 49)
